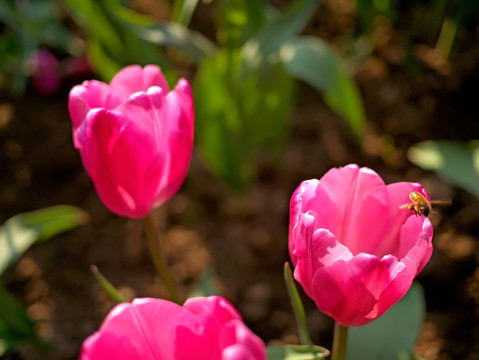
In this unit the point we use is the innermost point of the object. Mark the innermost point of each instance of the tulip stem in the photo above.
(159, 258)
(340, 342)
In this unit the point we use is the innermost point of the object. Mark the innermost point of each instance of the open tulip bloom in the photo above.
(135, 137)
(206, 328)
(355, 247)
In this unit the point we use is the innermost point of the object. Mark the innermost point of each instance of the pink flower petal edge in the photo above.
(204, 328)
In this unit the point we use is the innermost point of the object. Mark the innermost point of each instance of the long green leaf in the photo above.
(15, 325)
(183, 11)
(190, 42)
(296, 352)
(112, 291)
(394, 334)
(18, 233)
(272, 36)
(297, 306)
(313, 61)
(456, 162)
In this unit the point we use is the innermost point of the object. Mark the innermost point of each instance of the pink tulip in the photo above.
(46, 73)
(135, 137)
(207, 328)
(356, 249)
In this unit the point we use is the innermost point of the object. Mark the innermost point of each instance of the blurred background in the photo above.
(284, 90)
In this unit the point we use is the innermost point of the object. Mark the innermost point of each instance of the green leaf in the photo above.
(456, 162)
(183, 11)
(240, 114)
(313, 61)
(296, 352)
(18, 233)
(272, 36)
(190, 42)
(391, 335)
(206, 285)
(297, 306)
(15, 325)
(112, 291)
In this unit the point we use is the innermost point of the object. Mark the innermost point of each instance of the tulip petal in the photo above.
(134, 78)
(361, 200)
(123, 161)
(315, 250)
(312, 198)
(349, 291)
(108, 345)
(416, 254)
(180, 126)
(398, 213)
(89, 95)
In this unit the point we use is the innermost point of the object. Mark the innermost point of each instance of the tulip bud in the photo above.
(135, 137)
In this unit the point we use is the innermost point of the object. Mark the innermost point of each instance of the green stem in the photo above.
(340, 342)
(158, 258)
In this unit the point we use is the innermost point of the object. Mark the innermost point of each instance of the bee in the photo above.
(420, 205)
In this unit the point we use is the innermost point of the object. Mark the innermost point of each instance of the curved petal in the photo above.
(224, 326)
(318, 248)
(134, 78)
(360, 198)
(106, 345)
(349, 291)
(237, 352)
(123, 161)
(82, 98)
(179, 124)
(241, 342)
(310, 198)
(398, 213)
(416, 254)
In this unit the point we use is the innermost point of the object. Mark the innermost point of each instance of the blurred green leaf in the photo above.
(183, 11)
(313, 61)
(456, 162)
(192, 43)
(112, 42)
(296, 352)
(16, 328)
(18, 233)
(240, 114)
(297, 306)
(274, 34)
(29, 25)
(206, 285)
(112, 291)
(393, 334)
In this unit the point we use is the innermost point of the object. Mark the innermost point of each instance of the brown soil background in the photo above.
(244, 239)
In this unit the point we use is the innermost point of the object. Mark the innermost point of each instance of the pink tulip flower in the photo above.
(135, 137)
(207, 328)
(46, 73)
(356, 249)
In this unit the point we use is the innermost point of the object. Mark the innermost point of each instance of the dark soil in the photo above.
(244, 238)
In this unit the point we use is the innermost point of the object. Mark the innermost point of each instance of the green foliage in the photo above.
(16, 328)
(313, 61)
(297, 306)
(244, 88)
(296, 352)
(206, 285)
(111, 44)
(30, 24)
(456, 162)
(17, 234)
(394, 334)
(112, 292)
